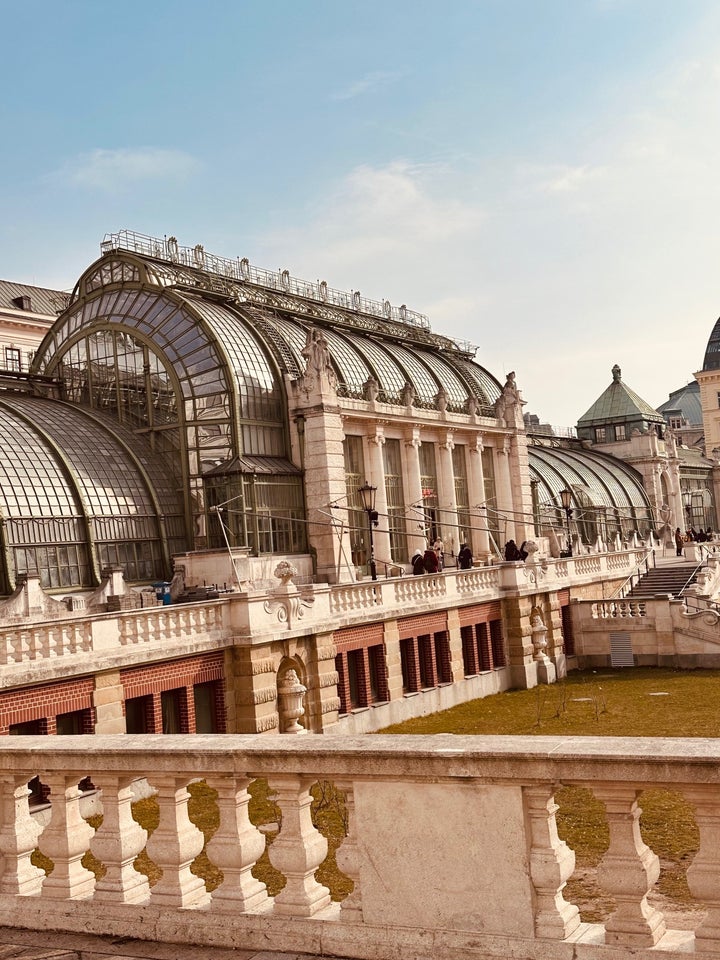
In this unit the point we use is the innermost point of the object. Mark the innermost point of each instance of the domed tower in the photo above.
(709, 380)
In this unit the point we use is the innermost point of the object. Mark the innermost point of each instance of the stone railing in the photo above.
(451, 846)
(103, 633)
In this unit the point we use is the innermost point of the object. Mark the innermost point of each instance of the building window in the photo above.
(395, 501)
(139, 715)
(600, 434)
(461, 496)
(12, 359)
(204, 695)
(620, 431)
(428, 481)
(357, 518)
(496, 643)
(409, 665)
(174, 711)
(676, 423)
(75, 723)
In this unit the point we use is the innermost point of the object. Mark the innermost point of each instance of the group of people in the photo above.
(691, 535)
(432, 560)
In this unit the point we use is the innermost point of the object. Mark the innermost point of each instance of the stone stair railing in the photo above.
(451, 845)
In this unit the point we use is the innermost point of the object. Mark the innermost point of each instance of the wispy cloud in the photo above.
(114, 169)
(370, 82)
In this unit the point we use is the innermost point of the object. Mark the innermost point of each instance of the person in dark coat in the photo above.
(430, 560)
(679, 543)
(418, 564)
(465, 557)
(511, 551)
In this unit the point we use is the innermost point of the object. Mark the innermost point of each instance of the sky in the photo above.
(539, 177)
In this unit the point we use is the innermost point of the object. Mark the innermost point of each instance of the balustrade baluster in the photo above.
(551, 864)
(174, 845)
(348, 857)
(66, 840)
(298, 850)
(703, 874)
(117, 843)
(235, 848)
(18, 838)
(628, 871)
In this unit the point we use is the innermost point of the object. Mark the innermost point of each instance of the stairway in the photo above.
(669, 578)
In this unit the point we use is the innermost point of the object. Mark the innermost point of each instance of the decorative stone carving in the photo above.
(441, 399)
(285, 571)
(539, 637)
(508, 406)
(290, 695)
(407, 394)
(371, 389)
(319, 375)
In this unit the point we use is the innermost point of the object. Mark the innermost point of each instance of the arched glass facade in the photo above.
(76, 497)
(608, 497)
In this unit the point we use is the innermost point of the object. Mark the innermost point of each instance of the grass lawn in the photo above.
(639, 703)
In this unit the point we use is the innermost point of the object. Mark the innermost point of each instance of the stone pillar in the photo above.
(447, 501)
(381, 534)
(504, 493)
(314, 398)
(628, 871)
(518, 636)
(322, 683)
(393, 662)
(553, 619)
(457, 663)
(252, 690)
(416, 533)
(108, 697)
(476, 497)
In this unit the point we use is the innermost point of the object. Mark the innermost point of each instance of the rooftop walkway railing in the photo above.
(451, 844)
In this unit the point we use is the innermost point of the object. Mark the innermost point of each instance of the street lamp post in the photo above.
(566, 500)
(367, 496)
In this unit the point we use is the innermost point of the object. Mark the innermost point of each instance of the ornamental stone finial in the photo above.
(616, 374)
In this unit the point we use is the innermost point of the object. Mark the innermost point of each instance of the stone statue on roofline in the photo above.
(319, 375)
(508, 406)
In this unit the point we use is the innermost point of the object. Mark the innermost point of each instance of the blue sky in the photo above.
(538, 176)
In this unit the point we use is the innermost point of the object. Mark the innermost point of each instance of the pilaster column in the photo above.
(628, 871)
(476, 497)
(447, 500)
(413, 486)
(504, 493)
(381, 534)
(551, 864)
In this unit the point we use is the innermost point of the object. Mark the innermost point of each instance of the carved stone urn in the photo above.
(290, 695)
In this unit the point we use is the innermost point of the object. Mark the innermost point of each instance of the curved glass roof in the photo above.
(78, 493)
(593, 477)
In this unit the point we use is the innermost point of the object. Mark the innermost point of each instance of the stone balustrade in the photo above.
(451, 846)
(661, 631)
(289, 608)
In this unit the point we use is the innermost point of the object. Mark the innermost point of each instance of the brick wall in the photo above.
(45, 703)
